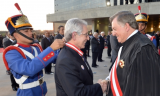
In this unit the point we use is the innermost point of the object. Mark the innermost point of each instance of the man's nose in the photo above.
(30, 32)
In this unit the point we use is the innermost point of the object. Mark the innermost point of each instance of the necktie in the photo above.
(85, 62)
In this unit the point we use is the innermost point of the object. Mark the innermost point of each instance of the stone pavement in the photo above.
(100, 73)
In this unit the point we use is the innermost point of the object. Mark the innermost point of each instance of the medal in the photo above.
(121, 63)
(82, 67)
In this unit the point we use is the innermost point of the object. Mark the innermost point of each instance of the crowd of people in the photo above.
(135, 68)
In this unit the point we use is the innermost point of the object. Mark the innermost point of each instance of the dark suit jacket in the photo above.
(95, 45)
(101, 42)
(88, 42)
(108, 41)
(70, 77)
(1, 39)
(51, 38)
(45, 43)
(8, 42)
(58, 36)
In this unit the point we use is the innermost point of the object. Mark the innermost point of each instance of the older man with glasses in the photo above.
(73, 75)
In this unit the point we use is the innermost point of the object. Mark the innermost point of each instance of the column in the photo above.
(118, 2)
(93, 24)
(136, 2)
(53, 27)
(143, 1)
(112, 2)
(124, 2)
(129, 2)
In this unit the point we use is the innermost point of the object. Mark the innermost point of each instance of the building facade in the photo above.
(72, 5)
(97, 12)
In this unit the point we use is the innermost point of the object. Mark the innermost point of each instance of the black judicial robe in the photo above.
(140, 75)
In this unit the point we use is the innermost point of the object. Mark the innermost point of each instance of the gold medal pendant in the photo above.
(121, 63)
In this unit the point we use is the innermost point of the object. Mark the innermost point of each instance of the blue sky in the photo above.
(35, 10)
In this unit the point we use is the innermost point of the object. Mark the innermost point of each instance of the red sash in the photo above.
(115, 87)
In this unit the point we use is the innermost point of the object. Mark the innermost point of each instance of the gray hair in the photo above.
(102, 32)
(95, 33)
(73, 25)
(124, 17)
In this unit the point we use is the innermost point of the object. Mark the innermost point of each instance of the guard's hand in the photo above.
(57, 44)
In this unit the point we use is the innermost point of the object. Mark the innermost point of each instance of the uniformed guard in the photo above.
(142, 20)
(26, 60)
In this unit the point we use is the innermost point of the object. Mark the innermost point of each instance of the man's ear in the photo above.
(15, 35)
(74, 36)
(127, 27)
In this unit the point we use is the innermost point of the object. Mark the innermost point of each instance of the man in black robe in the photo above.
(136, 71)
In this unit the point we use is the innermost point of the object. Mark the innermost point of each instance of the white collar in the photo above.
(11, 40)
(133, 33)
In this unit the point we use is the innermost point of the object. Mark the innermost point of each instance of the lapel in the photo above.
(46, 39)
(89, 70)
(96, 40)
(85, 64)
(81, 62)
(102, 39)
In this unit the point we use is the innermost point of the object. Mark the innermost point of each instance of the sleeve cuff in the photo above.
(47, 56)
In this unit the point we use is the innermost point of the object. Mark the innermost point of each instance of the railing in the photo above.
(119, 2)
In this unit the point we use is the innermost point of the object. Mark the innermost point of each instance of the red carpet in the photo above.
(1, 50)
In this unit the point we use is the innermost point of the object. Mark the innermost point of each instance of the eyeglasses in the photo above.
(85, 34)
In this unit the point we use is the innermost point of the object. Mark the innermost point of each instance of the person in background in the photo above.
(115, 45)
(87, 46)
(157, 38)
(35, 38)
(142, 20)
(108, 44)
(1, 40)
(52, 37)
(95, 45)
(101, 40)
(10, 40)
(45, 43)
(60, 34)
